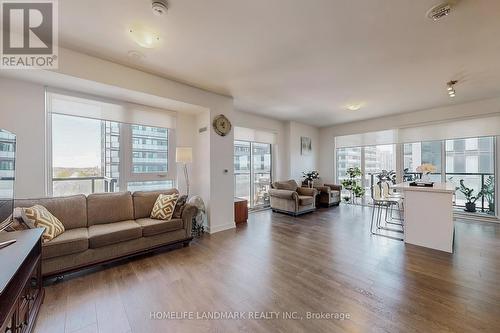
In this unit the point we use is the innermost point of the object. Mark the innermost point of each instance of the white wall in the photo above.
(201, 156)
(300, 163)
(22, 112)
(185, 135)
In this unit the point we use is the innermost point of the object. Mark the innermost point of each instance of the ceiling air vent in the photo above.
(439, 11)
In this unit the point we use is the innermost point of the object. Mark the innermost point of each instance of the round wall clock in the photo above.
(222, 125)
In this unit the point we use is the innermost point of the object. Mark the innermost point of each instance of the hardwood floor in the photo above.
(321, 262)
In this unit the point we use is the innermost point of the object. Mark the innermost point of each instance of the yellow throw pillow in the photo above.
(164, 206)
(42, 218)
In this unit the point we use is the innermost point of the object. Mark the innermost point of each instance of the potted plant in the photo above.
(488, 191)
(470, 205)
(351, 183)
(358, 191)
(309, 177)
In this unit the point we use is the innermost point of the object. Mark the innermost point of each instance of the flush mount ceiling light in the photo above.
(450, 87)
(144, 37)
(354, 107)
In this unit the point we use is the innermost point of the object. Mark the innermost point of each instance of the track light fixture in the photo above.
(451, 88)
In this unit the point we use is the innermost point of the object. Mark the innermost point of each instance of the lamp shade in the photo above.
(183, 154)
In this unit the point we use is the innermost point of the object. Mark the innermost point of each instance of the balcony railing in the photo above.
(85, 185)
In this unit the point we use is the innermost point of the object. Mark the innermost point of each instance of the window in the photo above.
(472, 160)
(347, 158)
(370, 159)
(90, 155)
(252, 172)
(7, 149)
(149, 149)
(418, 153)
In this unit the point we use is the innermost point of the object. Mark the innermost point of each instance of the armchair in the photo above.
(287, 197)
(328, 194)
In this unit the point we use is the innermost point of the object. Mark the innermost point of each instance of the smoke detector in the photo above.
(159, 7)
(439, 11)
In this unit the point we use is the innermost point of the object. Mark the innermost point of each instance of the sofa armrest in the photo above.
(283, 194)
(188, 214)
(323, 189)
(312, 192)
(334, 187)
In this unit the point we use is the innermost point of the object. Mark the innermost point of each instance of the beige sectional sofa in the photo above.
(107, 226)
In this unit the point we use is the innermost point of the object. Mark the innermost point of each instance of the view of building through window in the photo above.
(472, 160)
(370, 159)
(102, 154)
(7, 154)
(252, 172)
(418, 153)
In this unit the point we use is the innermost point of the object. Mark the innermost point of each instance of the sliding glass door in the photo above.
(252, 172)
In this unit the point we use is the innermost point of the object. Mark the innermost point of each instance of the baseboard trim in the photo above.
(219, 228)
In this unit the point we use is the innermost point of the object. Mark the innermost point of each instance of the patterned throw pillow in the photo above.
(164, 206)
(42, 218)
(179, 206)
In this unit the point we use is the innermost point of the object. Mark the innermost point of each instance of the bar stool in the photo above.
(395, 199)
(381, 204)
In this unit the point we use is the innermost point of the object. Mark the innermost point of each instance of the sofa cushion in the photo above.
(145, 200)
(290, 185)
(152, 227)
(305, 200)
(69, 242)
(40, 217)
(111, 233)
(179, 207)
(70, 210)
(109, 207)
(164, 207)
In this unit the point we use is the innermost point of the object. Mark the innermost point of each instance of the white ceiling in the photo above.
(304, 60)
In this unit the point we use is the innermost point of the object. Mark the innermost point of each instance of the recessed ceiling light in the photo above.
(135, 55)
(354, 107)
(144, 37)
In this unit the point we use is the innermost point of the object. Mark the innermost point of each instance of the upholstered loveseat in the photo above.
(103, 227)
(287, 197)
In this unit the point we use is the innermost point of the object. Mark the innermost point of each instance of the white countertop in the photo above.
(438, 187)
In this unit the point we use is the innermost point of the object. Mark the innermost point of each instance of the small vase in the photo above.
(426, 178)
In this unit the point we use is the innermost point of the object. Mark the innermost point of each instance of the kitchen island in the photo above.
(428, 215)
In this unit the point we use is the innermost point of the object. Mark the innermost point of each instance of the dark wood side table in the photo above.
(21, 288)
(240, 210)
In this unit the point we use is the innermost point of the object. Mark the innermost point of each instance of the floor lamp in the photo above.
(184, 155)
